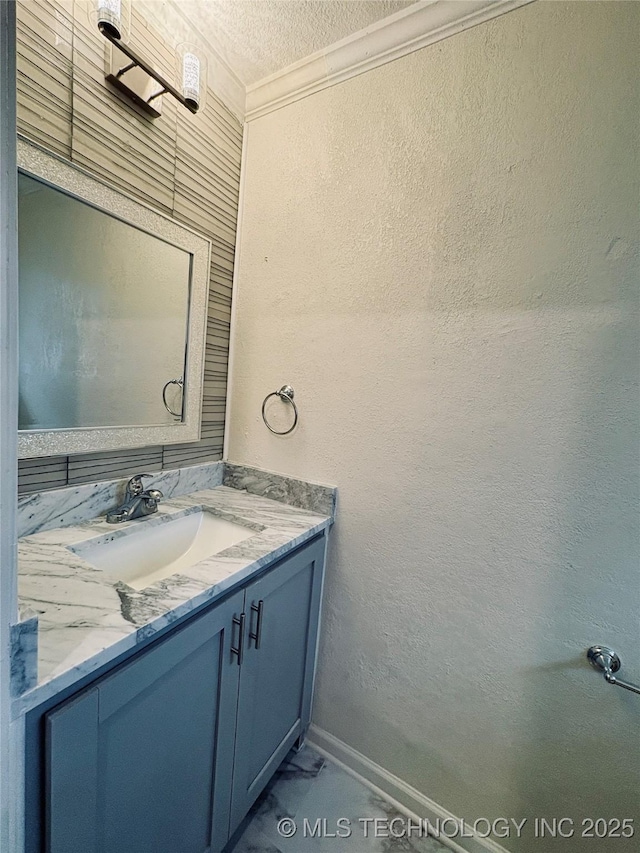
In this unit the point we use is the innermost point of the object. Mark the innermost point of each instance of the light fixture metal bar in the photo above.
(141, 62)
(126, 68)
(157, 95)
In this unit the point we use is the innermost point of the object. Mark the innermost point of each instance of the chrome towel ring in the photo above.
(179, 382)
(286, 395)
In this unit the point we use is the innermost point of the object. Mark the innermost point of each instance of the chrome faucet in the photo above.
(138, 502)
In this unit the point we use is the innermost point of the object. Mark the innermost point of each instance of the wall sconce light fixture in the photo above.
(113, 17)
(138, 79)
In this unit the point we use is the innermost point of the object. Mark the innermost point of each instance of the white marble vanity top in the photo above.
(85, 619)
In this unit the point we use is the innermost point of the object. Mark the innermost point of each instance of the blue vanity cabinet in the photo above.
(276, 677)
(167, 752)
(142, 761)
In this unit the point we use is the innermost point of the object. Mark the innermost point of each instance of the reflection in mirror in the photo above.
(112, 315)
(103, 316)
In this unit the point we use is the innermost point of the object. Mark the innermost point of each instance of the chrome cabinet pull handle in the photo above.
(608, 662)
(239, 649)
(256, 636)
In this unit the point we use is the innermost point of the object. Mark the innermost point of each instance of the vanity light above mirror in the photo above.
(135, 76)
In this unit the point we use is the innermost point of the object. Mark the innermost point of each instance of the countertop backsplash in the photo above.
(75, 504)
(314, 497)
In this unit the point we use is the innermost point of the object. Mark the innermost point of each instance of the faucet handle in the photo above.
(134, 486)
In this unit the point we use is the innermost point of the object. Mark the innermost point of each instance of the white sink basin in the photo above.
(151, 552)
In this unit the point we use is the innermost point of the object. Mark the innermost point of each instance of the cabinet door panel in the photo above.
(72, 755)
(160, 738)
(154, 761)
(275, 679)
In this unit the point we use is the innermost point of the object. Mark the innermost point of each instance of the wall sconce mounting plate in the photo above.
(135, 83)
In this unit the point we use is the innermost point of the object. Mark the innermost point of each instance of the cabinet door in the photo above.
(276, 677)
(141, 762)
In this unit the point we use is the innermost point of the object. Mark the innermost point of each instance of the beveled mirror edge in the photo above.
(62, 174)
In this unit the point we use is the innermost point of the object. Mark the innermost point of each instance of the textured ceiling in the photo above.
(258, 37)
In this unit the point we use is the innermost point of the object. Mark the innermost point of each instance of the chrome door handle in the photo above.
(257, 634)
(608, 662)
(239, 649)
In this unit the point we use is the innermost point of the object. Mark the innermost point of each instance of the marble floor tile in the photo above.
(284, 794)
(324, 803)
(254, 841)
(307, 763)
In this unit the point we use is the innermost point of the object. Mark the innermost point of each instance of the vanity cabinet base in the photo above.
(167, 752)
(133, 762)
(276, 676)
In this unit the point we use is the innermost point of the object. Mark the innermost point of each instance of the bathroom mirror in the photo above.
(112, 315)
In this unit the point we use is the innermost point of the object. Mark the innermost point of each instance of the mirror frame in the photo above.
(60, 174)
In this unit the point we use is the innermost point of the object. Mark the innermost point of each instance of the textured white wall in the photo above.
(441, 256)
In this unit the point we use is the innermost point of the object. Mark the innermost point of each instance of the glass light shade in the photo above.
(192, 74)
(112, 16)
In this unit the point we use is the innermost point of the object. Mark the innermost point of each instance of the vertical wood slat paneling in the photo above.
(209, 151)
(100, 466)
(44, 61)
(205, 450)
(37, 474)
(184, 165)
(202, 195)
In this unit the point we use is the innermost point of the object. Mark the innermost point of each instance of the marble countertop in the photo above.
(85, 619)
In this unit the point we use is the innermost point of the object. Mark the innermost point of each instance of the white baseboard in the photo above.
(404, 797)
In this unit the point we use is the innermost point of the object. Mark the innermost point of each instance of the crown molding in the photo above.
(411, 29)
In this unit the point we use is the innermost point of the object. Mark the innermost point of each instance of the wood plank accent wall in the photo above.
(183, 165)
